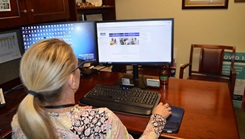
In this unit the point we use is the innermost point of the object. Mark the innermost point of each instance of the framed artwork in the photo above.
(205, 4)
(239, 0)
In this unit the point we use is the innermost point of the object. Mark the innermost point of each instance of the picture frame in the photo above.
(205, 4)
(239, 0)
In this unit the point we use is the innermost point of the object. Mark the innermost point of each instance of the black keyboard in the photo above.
(132, 100)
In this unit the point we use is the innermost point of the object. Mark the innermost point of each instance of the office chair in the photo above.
(207, 61)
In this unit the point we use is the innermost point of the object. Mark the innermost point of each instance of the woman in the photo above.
(49, 72)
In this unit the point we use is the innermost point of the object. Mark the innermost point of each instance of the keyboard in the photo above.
(132, 101)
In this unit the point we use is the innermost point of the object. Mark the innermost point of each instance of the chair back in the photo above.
(209, 59)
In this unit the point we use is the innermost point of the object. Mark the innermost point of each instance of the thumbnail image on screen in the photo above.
(80, 35)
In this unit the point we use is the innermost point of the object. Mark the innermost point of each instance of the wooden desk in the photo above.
(209, 111)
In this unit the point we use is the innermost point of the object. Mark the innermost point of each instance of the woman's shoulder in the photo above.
(91, 111)
(14, 121)
(16, 130)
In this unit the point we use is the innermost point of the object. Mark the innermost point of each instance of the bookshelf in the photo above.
(107, 10)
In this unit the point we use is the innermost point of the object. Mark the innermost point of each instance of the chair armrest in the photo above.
(6, 135)
(182, 68)
(233, 74)
(233, 71)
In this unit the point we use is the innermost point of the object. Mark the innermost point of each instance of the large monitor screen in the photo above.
(144, 42)
(80, 35)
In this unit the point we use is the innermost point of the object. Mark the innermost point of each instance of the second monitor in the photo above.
(80, 35)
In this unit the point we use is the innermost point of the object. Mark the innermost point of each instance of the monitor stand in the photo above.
(135, 80)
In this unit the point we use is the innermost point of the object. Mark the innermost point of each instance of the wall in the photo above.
(207, 26)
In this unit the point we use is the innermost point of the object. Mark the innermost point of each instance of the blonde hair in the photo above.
(45, 68)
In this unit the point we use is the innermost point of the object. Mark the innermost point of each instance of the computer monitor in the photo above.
(79, 34)
(11, 51)
(135, 42)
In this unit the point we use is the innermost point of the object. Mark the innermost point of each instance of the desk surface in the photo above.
(209, 111)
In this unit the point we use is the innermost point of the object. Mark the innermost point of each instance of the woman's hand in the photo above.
(163, 110)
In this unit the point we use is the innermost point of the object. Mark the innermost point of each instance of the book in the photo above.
(94, 17)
